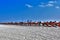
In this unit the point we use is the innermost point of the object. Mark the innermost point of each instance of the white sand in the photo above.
(13, 32)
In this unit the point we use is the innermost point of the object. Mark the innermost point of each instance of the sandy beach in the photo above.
(14, 32)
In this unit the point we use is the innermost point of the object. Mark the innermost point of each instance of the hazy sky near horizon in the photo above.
(17, 10)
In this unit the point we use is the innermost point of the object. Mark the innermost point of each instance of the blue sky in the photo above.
(21, 10)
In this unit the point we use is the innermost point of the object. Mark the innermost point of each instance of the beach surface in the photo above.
(14, 32)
